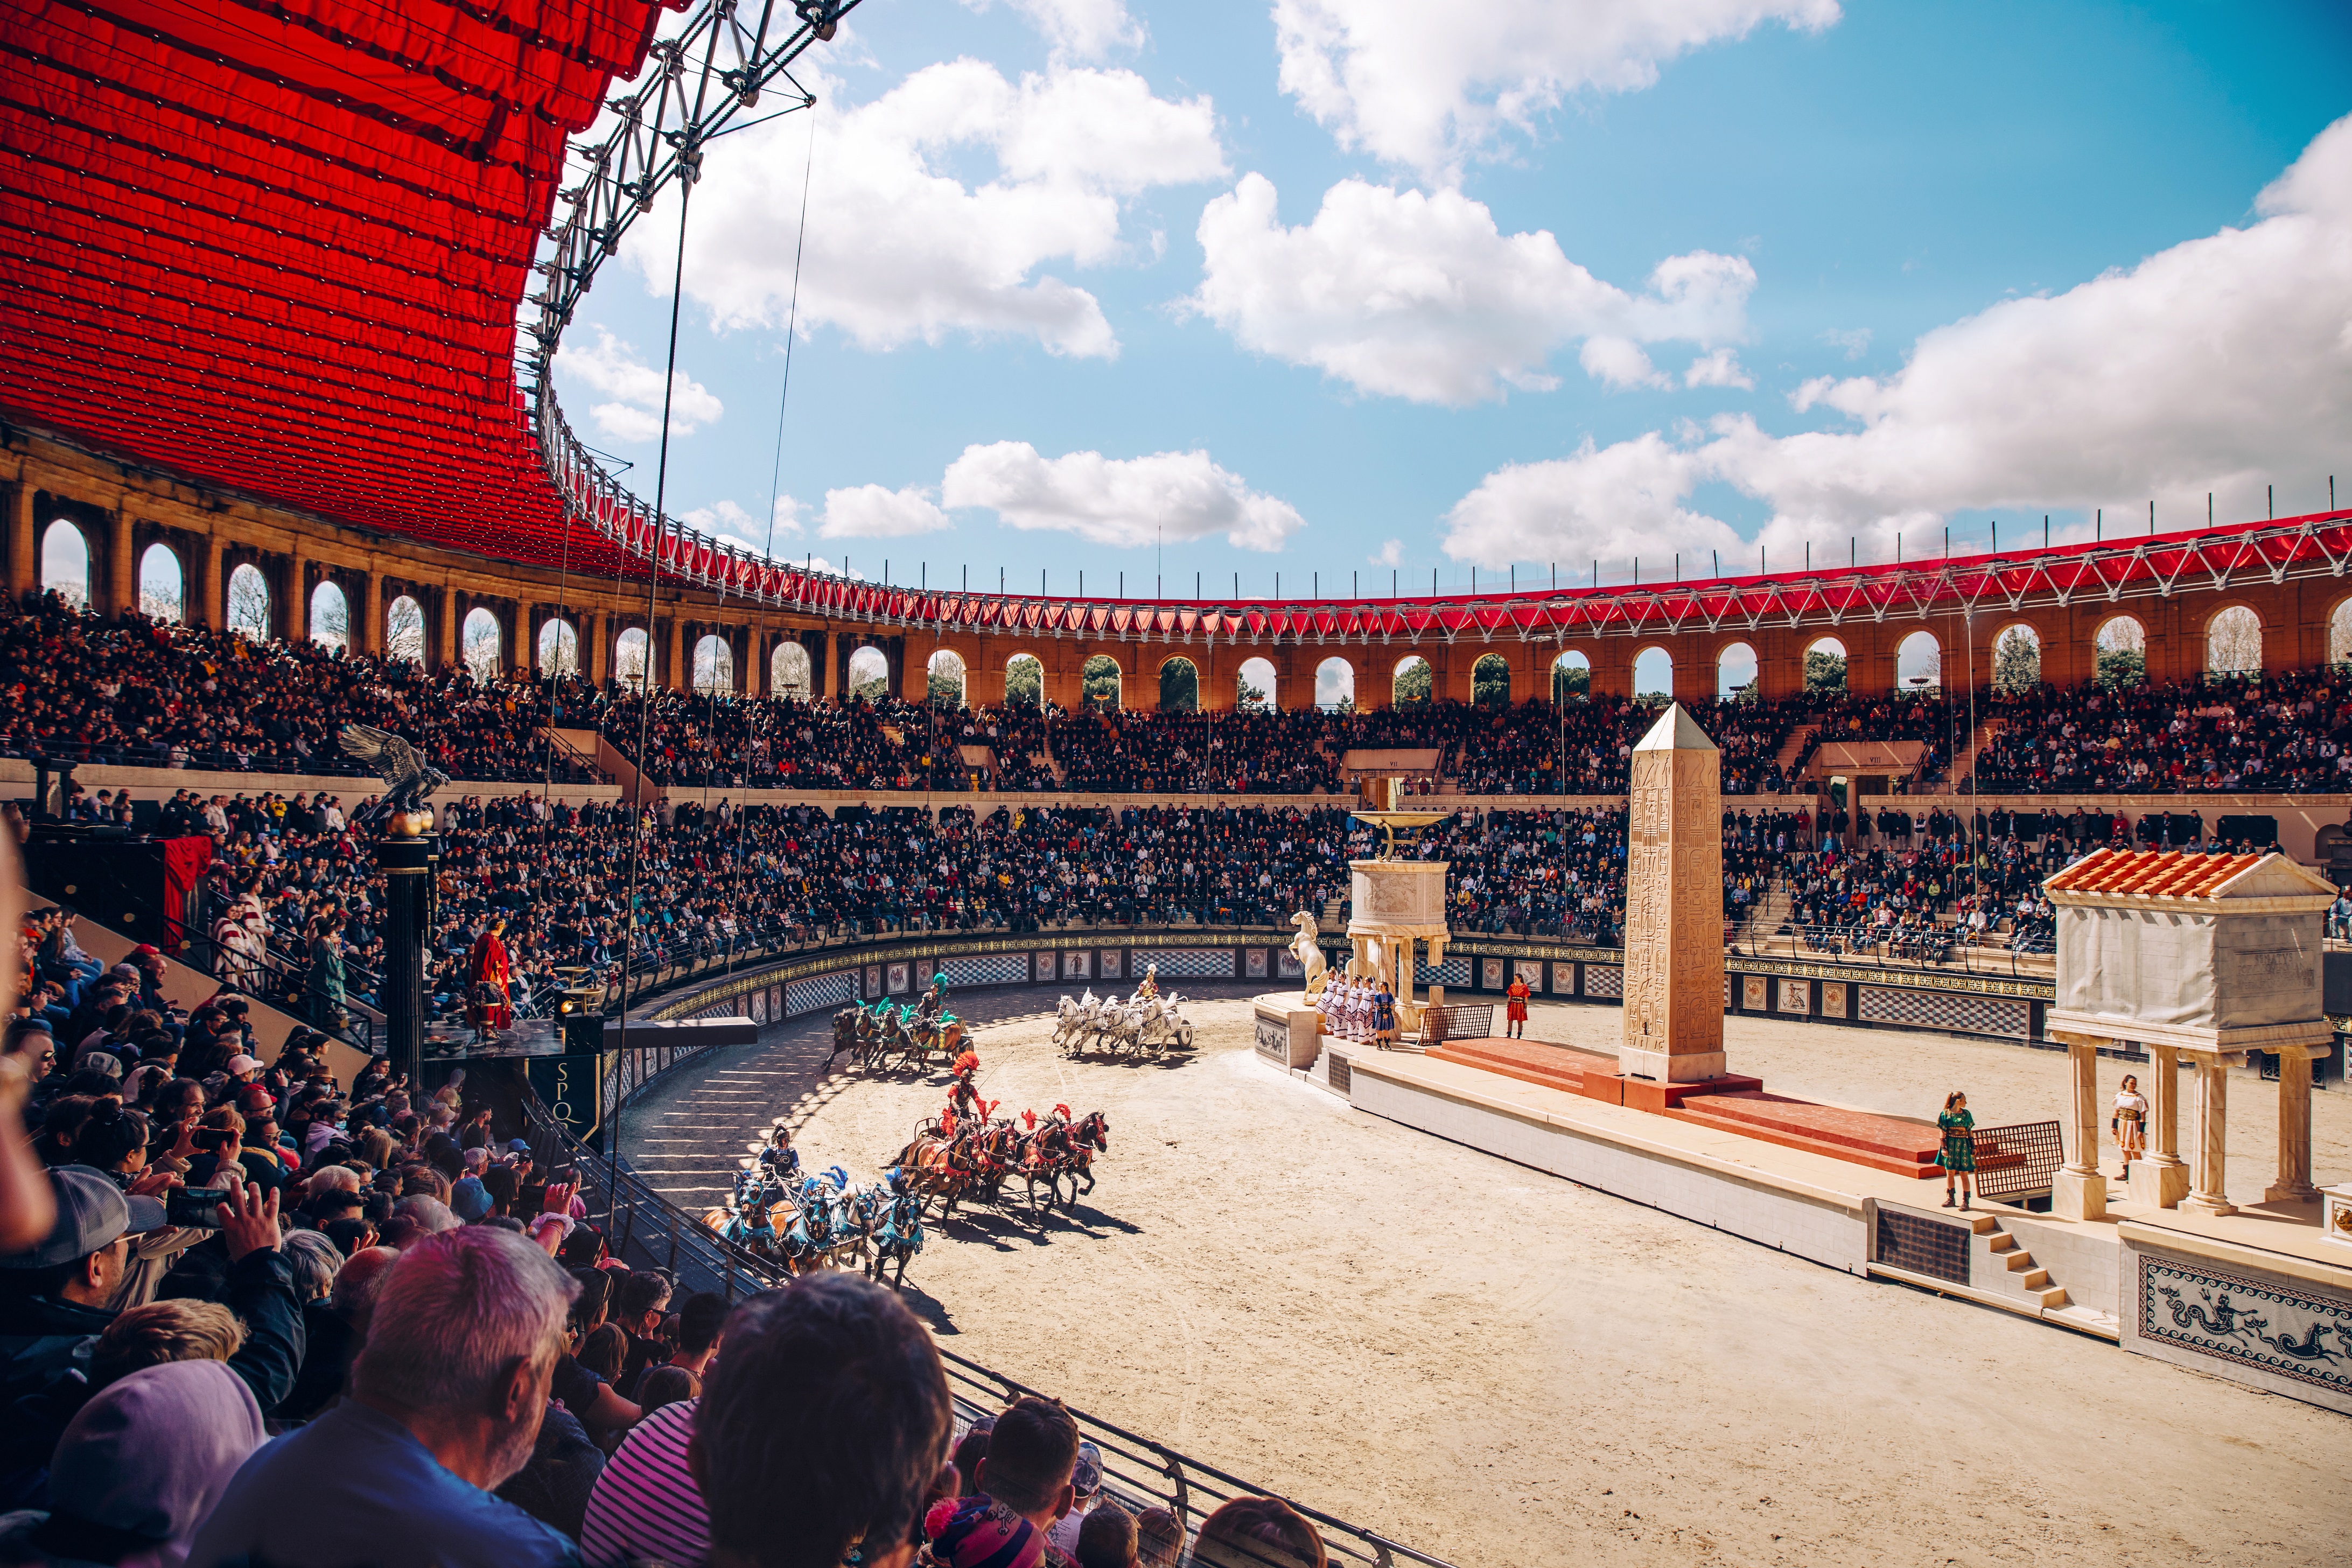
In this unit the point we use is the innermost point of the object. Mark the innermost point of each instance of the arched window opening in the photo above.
(1180, 687)
(1919, 664)
(1572, 677)
(64, 564)
(331, 618)
(1490, 681)
(2122, 656)
(714, 666)
(163, 591)
(1098, 684)
(478, 644)
(2234, 643)
(629, 654)
(788, 671)
(2017, 659)
(870, 674)
(1825, 665)
(403, 630)
(943, 679)
(1735, 674)
(1254, 686)
(1335, 686)
(1024, 681)
(248, 603)
(559, 648)
(1413, 681)
(1653, 676)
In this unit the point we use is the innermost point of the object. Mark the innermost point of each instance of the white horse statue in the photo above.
(1309, 954)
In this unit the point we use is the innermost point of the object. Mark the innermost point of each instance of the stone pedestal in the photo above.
(2158, 1184)
(1288, 1036)
(1673, 1019)
(409, 867)
(2161, 1180)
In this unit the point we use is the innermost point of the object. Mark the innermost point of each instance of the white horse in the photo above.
(1309, 954)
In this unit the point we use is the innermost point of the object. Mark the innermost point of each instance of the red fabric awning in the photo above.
(280, 247)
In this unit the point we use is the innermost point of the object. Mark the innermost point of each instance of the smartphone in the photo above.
(196, 1208)
(212, 1140)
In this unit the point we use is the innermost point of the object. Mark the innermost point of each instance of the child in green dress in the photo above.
(1958, 1152)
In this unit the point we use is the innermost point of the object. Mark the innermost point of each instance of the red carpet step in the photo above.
(1562, 1068)
(1887, 1144)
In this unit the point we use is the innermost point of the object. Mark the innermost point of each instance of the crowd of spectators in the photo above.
(2273, 733)
(250, 1313)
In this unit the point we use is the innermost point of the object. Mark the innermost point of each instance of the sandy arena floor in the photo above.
(1504, 1368)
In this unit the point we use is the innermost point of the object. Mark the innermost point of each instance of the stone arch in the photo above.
(1653, 673)
(943, 679)
(1735, 672)
(64, 561)
(1571, 676)
(869, 673)
(1180, 686)
(480, 644)
(1101, 685)
(2119, 651)
(2339, 633)
(1024, 681)
(714, 666)
(403, 629)
(1413, 683)
(558, 647)
(162, 585)
(1490, 681)
(1919, 663)
(1825, 665)
(632, 650)
(788, 672)
(2016, 657)
(1335, 683)
(2233, 641)
(329, 616)
(249, 602)
(1256, 676)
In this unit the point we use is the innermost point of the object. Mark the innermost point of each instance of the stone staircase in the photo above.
(2025, 1282)
(1799, 742)
(1964, 766)
(1331, 909)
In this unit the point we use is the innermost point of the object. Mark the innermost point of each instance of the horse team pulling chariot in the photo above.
(1146, 1024)
(803, 1222)
(883, 1034)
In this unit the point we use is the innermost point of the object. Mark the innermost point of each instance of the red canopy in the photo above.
(280, 246)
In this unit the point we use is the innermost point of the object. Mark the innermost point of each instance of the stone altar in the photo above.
(1673, 907)
(1393, 904)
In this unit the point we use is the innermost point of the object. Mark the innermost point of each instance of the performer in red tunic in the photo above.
(487, 1004)
(1516, 995)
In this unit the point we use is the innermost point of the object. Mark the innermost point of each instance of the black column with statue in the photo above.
(399, 825)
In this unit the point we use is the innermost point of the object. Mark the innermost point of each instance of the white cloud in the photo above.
(1721, 368)
(1419, 295)
(1391, 554)
(1120, 502)
(730, 521)
(904, 244)
(874, 511)
(2208, 367)
(612, 367)
(1426, 85)
(1086, 29)
(1854, 340)
(1620, 362)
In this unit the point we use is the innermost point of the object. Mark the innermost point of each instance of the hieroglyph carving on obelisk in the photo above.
(1673, 906)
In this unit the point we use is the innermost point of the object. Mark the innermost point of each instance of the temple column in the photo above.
(2293, 1184)
(2206, 1172)
(2161, 1180)
(2079, 1191)
(121, 569)
(205, 602)
(24, 544)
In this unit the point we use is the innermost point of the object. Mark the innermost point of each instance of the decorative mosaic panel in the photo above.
(897, 980)
(756, 1005)
(1192, 962)
(1832, 998)
(825, 993)
(1343, 1075)
(1957, 1010)
(1796, 995)
(1530, 970)
(1078, 963)
(1490, 974)
(1923, 1245)
(1563, 980)
(2286, 1329)
(1286, 965)
(872, 981)
(1274, 1040)
(924, 970)
(1111, 958)
(1604, 980)
(1753, 990)
(1045, 967)
(1254, 963)
(996, 969)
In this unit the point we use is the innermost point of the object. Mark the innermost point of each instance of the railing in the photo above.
(1943, 948)
(648, 1231)
(1457, 1021)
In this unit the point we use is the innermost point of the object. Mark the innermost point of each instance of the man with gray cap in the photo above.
(53, 1307)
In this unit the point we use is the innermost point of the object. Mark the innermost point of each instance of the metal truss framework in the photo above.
(716, 67)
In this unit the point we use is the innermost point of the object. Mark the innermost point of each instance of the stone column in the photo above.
(2206, 1171)
(674, 673)
(361, 593)
(24, 544)
(1673, 1016)
(444, 629)
(204, 607)
(2293, 1184)
(297, 618)
(595, 657)
(2161, 1180)
(121, 569)
(2079, 1191)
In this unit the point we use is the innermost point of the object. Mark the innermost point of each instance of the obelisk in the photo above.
(1673, 906)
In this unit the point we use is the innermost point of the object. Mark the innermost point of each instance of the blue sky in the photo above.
(1716, 276)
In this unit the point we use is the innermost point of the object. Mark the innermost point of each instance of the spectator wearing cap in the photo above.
(139, 1468)
(1024, 1489)
(821, 1429)
(1085, 1489)
(447, 1395)
(469, 1200)
(54, 1306)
